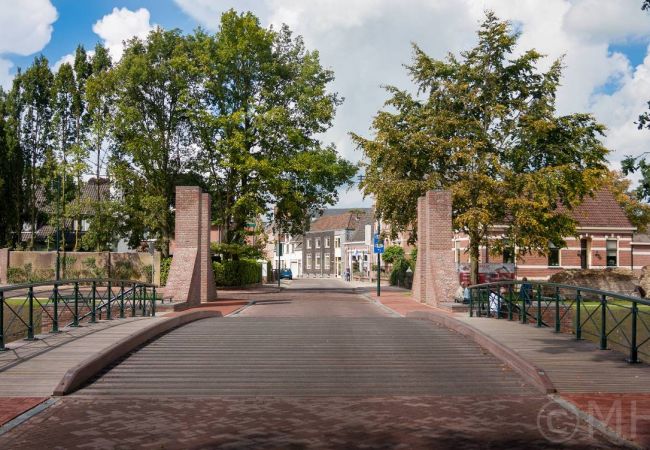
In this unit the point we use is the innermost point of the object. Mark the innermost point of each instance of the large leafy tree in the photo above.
(264, 101)
(483, 125)
(152, 86)
(36, 87)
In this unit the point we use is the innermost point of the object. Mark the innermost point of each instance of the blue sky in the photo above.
(604, 44)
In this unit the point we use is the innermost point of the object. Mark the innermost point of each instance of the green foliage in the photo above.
(26, 274)
(483, 126)
(236, 251)
(392, 253)
(399, 275)
(262, 147)
(91, 269)
(124, 269)
(414, 255)
(165, 264)
(237, 273)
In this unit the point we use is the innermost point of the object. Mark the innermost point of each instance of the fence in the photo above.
(615, 321)
(30, 309)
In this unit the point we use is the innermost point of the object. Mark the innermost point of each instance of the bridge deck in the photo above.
(573, 366)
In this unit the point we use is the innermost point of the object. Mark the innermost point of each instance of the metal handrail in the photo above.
(95, 294)
(604, 313)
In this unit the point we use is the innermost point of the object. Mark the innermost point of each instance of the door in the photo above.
(584, 253)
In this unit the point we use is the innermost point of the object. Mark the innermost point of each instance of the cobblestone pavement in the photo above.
(295, 423)
(378, 379)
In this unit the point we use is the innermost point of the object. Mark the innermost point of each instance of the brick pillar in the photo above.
(419, 277)
(208, 290)
(436, 279)
(4, 264)
(184, 280)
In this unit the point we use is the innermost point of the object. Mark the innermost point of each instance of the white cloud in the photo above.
(366, 42)
(5, 75)
(121, 25)
(25, 25)
(69, 58)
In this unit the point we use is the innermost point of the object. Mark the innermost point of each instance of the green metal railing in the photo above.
(36, 308)
(612, 320)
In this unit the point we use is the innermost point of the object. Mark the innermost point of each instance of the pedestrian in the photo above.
(525, 291)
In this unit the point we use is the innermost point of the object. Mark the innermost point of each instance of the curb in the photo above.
(529, 371)
(76, 376)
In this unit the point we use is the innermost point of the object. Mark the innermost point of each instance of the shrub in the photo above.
(237, 273)
(399, 275)
(165, 264)
(26, 274)
(124, 270)
(91, 270)
(393, 253)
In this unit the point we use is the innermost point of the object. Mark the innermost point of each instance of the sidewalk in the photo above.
(598, 382)
(31, 371)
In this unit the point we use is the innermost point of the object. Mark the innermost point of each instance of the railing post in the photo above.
(480, 302)
(55, 319)
(634, 351)
(578, 324)
(144, 301)
(153, 303)
(523, 296)
(133, 302)
(510, 302)
(539, 305)
(93, 318)
(471, 302)
(499, 304)
(122, 300)
(2, 321)
(30, 325)
(603, 322)
(75, 322)
(557, 310)
(108, 307)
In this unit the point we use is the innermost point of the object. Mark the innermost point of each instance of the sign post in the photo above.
(378, 249)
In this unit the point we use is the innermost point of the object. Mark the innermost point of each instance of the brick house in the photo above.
(605, 238)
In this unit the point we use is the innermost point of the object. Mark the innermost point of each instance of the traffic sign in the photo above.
(379, 244)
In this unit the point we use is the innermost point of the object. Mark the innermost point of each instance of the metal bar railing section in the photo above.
(612, 320)
(27, 310)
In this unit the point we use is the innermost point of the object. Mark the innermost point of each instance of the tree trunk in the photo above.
(474, 252)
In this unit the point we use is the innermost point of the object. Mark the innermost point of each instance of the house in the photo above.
(338, 240)
(605, 238)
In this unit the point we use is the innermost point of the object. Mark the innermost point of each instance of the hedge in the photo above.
(237, 273)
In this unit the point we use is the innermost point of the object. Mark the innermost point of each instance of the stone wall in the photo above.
(81, 264)
(435, 280)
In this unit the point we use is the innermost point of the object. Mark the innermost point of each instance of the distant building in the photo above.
(606, 238)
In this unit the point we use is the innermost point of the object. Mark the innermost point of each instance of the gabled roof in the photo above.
(600, 211)
(347, 220)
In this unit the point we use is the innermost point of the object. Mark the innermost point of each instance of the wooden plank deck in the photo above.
(573, 366)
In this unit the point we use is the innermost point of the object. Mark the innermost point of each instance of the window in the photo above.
(337, 242)
(317, 260)
(457, 251)
(317, 242)
(308, 243)
(553, 256)
(612, 252)
(327, 242)
(508, 255)
(308, 260)
(327, 262)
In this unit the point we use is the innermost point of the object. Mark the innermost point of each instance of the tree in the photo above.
(35, 121)
(483, 126)
(265, 101)
(150, 124)
(635, 209)
(393, 253)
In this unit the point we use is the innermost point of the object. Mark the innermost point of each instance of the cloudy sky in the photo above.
(366, 42)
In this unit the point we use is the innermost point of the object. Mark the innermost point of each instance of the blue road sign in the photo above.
(379, 244)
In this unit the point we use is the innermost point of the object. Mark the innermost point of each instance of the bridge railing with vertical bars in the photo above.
(27, 310)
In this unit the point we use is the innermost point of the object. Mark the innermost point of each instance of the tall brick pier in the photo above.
(435, 280)
(190, 276)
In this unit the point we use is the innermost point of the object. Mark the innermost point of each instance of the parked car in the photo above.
(286, 273)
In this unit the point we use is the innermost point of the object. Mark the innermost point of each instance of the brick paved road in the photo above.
(311, 370)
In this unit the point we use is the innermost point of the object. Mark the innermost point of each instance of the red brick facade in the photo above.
(435, 280)
(190, 276)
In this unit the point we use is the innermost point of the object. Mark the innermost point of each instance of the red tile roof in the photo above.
(601, 210)
(346, 221)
